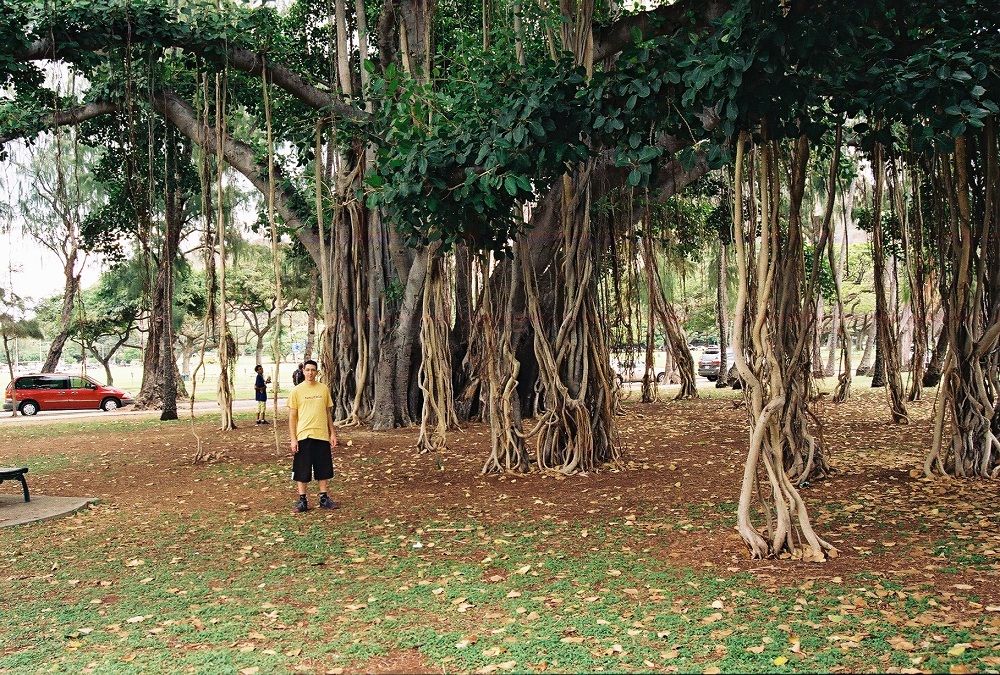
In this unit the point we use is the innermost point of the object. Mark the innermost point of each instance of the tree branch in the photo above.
(242, 157)
(63, 118)
(240, 59)
(664, 20)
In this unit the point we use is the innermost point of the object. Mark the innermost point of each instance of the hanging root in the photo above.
(507, 447)
(434, 378)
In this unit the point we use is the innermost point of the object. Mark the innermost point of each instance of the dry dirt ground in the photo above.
(677, 491)
(681, 457)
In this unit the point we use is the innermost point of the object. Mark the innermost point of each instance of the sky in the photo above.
(32, 271)
(29, 269)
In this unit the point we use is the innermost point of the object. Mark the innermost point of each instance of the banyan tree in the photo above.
(445, 164)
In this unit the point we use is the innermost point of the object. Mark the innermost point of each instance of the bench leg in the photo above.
(24, 488)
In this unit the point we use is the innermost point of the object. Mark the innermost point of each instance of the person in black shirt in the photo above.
(260, 394)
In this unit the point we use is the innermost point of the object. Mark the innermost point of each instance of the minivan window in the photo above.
(77, 382)
(27, 383)
(54, 383)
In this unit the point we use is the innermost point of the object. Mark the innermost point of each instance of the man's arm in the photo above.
(333, 430)
(293, 423)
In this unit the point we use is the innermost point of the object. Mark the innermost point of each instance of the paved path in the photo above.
(15, 511)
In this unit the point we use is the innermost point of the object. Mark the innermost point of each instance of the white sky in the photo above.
(26, 267)
(34, 272)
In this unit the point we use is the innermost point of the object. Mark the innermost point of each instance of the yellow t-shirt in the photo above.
(311, 400)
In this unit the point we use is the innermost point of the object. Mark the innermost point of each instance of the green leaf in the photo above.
(648, 154)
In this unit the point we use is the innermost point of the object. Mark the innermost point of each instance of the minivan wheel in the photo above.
(28, 408)
(661, 378)
(109, 404)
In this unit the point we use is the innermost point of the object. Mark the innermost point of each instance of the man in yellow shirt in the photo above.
(310, 426)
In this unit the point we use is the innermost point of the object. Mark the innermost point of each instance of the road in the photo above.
(200, 407)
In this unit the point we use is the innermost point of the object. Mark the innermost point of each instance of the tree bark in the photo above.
(842, 392)
(971, 180)
(70, 288)
(916, 274)
(932, 375)
(722, 315)
(311, 313)
(885, 325)
(761, 311)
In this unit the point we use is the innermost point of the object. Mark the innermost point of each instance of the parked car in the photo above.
(629, 368)
(711, 359)
(55, 391)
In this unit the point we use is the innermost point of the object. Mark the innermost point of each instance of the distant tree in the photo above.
(52, 209)
(13, 326)
(106, 318)
(191, 324)
(252, 293)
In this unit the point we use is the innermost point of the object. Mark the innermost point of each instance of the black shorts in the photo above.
(314, 459)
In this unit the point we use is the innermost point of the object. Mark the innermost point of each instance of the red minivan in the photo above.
(54, 391)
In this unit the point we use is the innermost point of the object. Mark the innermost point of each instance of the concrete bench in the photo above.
(16, 473)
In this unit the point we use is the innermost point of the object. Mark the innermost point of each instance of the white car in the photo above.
(631, 368)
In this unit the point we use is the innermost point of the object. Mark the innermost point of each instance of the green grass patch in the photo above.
(225, 592)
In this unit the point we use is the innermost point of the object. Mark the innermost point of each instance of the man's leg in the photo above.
(324, 468)
(302, 504)
(301, 474)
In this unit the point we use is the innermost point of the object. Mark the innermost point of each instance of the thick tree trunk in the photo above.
(392, 404)
(932, 375)
(312, 311)
(878, 365)
(434, 377)
(461, 332)
(885, 324)
(503, 407)
(722, 315)
(865, 366)
(576, 432)
(173, 205)
(151, 391)
(775, 378)
(972, 313)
